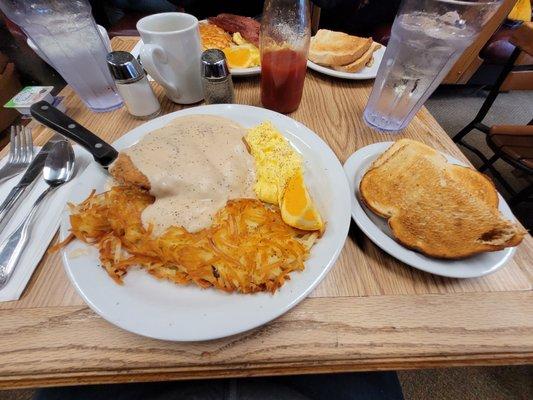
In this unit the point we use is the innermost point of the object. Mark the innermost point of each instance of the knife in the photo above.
(21, 189)
(102, 152)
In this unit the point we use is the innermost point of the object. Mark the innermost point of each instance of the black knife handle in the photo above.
(50, 116)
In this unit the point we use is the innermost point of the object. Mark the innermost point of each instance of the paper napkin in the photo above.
(46, 223)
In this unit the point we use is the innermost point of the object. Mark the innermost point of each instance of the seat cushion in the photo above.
(498, 48)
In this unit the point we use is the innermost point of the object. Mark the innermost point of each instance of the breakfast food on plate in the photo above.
(280, 177)
(247, 248)
(341, 51)
(275, 160)
(214, 37)
(125, 172)
(246, 26)
(440, 209)
(210, 162)
(297, 207)
(337, 48)
(366, 60)
(184, 207)
(240, 51)
(243, 54)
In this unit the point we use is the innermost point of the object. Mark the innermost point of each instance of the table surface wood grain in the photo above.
(371, 312)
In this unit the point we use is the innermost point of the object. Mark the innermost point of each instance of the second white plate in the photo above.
(365, 73)
(377, 229)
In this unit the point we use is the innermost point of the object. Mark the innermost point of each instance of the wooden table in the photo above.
(370, 313)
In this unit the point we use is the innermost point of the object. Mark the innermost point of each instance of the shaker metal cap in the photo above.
(124, 67)
(214, 64)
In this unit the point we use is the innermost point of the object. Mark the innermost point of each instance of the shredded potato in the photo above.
(247, 249)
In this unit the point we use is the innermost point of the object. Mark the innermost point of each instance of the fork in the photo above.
(20, 152)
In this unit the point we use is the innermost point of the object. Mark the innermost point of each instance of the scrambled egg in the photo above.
(279, 175)
(275, 160)
(238, 39)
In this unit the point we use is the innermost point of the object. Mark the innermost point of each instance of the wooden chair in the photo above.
(511, 143)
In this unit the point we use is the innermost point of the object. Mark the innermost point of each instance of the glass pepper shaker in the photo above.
(216, 78)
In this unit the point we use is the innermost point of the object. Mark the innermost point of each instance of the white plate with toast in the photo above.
(163, 310)
(377, 228)
(365, 73)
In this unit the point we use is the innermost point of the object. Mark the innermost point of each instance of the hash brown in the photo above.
(214, 37)
(247, 249)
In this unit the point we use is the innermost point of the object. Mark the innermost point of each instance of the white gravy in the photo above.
(194, 165)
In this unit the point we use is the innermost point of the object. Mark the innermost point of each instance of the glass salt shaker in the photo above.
(216, 78)
(133, 85)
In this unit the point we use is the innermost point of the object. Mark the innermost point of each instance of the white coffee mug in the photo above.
(171, 53)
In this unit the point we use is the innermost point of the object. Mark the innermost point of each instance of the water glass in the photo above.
(65, 32)
(427, 38)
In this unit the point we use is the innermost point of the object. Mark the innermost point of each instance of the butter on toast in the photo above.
(337, 48)
(440, 209)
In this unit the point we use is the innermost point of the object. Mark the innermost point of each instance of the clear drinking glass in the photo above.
(284, 43)
(66, 33)
(427, 37)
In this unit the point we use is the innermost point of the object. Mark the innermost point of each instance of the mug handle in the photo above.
(151, 54)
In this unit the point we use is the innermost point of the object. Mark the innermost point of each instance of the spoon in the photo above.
(58, 169)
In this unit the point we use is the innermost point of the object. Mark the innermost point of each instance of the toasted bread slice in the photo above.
(361, 62)
(336, 48)
(440, 209)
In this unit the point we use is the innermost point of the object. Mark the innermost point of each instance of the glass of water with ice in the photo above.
(65, 32)
(427, 37)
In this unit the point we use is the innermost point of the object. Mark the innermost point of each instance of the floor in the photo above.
(480, 383)
(454, 108)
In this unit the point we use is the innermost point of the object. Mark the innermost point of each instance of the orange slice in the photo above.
(297, 208)
(238, 56)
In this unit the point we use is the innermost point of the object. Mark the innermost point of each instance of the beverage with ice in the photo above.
(65, 32)
(423, 47)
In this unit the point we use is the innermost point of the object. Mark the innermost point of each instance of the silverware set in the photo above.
(55, 161)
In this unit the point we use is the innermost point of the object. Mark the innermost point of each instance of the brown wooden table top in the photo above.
(371, 312)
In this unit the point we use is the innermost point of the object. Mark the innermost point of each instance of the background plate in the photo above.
(164, 310)
(234, 71)
(365, 73)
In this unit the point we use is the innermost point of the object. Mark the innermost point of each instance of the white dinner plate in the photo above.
(164, 310)
(365, 73)
(377, 229)
(234, 71)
